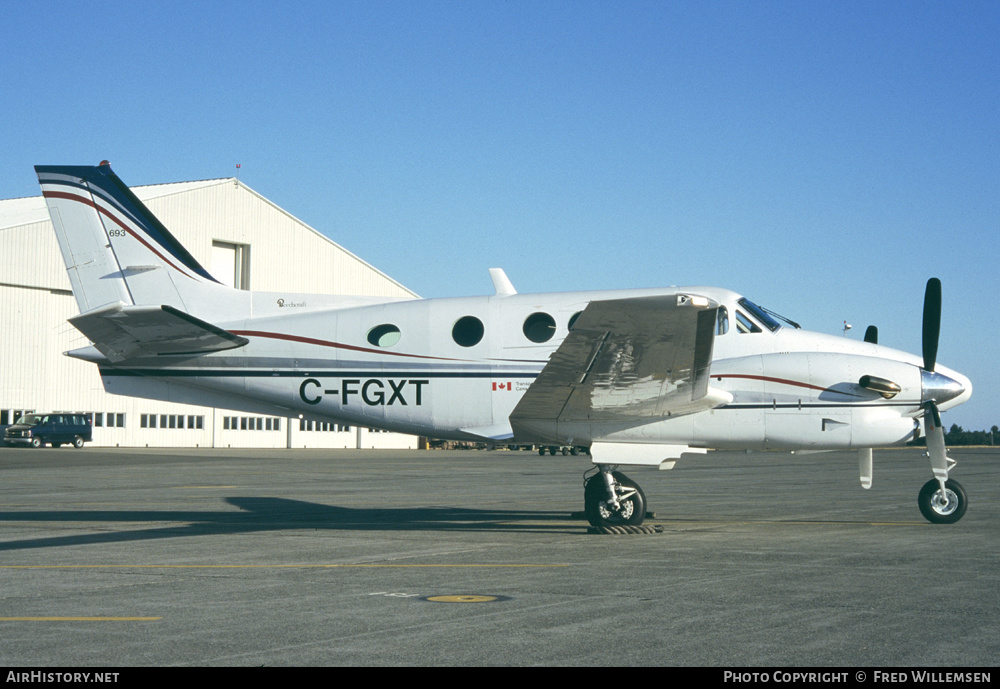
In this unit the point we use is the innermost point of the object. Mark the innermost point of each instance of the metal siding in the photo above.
(306, 261)
(34, 372)
(29, 257)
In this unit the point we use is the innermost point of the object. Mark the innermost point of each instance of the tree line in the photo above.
(956, 435)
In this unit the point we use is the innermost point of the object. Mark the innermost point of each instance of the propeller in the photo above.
(932, 323)
(932, 417)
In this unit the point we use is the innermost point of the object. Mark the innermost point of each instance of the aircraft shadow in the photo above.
(276, 514)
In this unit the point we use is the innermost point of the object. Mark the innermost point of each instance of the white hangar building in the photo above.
(240, 237)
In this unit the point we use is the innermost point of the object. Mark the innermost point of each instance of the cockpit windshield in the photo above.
(757, 316)
(748, 317)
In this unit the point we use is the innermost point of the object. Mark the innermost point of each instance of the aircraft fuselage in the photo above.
(790, 388)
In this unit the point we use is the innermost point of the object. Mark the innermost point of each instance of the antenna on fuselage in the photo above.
(847, 326)
(501, 284)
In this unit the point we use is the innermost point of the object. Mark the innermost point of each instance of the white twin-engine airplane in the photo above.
(639, 377)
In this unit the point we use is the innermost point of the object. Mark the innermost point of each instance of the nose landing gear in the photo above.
(942, 505)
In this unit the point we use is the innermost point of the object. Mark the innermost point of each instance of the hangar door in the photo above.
(231, 264)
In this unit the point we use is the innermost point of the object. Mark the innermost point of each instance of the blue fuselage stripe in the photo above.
(312, 373)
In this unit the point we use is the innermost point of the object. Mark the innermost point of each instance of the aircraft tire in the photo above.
(633, 508)
(938, 511)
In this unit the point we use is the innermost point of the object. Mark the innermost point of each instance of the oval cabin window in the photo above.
(468, 331)
(539, 327)
(383, 335)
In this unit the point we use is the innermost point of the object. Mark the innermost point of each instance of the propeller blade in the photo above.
(932, 322)
(871, 334)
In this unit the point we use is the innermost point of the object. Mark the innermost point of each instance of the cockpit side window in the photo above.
(745, 325)
(722, 321)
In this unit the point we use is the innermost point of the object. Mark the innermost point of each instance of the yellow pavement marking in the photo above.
(207, 486)
(327, 566)
(462, 599)
(79, 619)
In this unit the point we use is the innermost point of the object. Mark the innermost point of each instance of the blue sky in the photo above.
(823, 158)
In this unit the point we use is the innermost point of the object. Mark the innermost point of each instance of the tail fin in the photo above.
(115, 249)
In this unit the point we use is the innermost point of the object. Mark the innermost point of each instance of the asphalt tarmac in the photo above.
(126, 557)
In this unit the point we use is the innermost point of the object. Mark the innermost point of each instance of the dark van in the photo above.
(55, 428)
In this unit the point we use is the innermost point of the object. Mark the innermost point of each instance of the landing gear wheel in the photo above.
(942, 507)
(632, 502)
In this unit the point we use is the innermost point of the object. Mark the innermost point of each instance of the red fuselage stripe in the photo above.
(769, 379)
(336, 345)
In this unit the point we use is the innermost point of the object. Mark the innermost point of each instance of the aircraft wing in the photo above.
(123, 332)
(628, 360)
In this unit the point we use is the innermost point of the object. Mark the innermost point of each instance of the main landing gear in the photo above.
(610, 498)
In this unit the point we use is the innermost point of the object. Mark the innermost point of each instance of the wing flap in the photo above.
(627, 360)
(122, 332)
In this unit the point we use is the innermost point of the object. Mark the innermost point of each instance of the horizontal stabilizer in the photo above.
(122, 332)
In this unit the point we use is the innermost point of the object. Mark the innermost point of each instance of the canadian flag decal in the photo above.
(502, 386)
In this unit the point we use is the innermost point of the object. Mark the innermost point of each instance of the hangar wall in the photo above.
(226, 226)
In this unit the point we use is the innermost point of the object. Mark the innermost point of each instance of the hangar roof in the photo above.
(32, 209)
